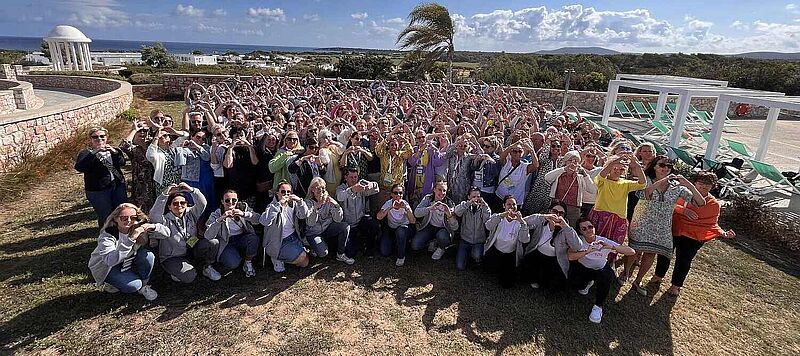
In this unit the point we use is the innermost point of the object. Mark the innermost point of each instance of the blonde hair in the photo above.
(95, 129)
(112, 218)
(154, 113)
(316, 181)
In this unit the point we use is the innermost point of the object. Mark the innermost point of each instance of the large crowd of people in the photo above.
(282, 171)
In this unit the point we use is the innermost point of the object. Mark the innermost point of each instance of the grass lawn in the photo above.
(734, 303)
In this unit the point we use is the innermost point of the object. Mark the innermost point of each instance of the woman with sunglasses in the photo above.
(399, 218)
(438, 224)
(288, 152)
(308, 166)
(143, 187)
(692, 227)
(538, 197)
(422, 166)
(356, 156)
(281, 229)
(232, 226)
(651, 226)
(184, 244)
(474, 212)
(332, 151)
(487, 171)
(569, 184)
(162, 155)
(590, 266)
(121, 262)
(194, 158)
(103, 180)
(504, 249)
(546, 263)
(324, 222)
(266, 148)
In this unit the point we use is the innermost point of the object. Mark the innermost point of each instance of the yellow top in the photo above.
(392, 166)
(612, 195)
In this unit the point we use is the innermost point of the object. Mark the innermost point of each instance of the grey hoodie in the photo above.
(175, 245)
(566, 238)
(221, 230)
(273, 226)
(354, 203)
(423, 212)
(319, 219)
(522, 236)
(111, 251)
(473, 228)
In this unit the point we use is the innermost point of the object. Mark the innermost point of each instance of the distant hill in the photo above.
(579, 50)
(768, 55)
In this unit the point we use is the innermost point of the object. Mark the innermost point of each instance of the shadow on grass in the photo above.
(766, 252)
(76, 214)
(45, 241)
(556, 322)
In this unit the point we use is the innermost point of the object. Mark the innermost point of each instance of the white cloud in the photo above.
(188, 11)
(793, 8)
(248, 32)
(376, 29)
(311, 17)
(219, 12)
(395, 21)
(95, 13)
(359, 15)
(202, 27)
(266, 14)
(739, 25)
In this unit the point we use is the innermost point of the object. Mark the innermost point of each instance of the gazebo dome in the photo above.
(64, 33)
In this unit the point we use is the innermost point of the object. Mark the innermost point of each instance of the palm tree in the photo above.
(430, 29)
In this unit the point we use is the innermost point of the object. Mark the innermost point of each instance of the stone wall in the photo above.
(149, 91)
(22, 94)
(7, 103)
(36, 131)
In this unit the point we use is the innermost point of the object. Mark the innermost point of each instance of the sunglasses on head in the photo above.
(665, 165)
(128, 218)
(231, 201)
(180, 203)
(98, 137)
(557, 212)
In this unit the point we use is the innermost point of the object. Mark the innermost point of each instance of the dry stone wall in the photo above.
(36, 131)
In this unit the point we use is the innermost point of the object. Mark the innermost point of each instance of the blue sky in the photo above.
(511, 25)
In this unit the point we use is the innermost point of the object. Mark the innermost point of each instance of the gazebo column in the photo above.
(88, 56)
(84, 57)
(680, 119)
(766, 134)
(67, 57)
(79, 56)
(662, 102)
(717, 126)
(55, 58)
(74, 57)
(611, 99)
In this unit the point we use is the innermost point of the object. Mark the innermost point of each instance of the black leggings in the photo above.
(544, 270)
(685, 250)
(504, 265)
(580, 275)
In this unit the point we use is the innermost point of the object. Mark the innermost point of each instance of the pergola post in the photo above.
(766, 134)
(611, 99)
(680, 119)
(74, 57)
(720, 114)
(88, 56)
(662, 101)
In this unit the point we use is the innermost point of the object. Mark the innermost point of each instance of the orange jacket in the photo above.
(704, 228)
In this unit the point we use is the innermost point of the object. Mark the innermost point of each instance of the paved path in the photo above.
(57, 96)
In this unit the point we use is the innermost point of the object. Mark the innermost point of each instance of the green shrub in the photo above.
(145, 78)
(129, 115)
(749, 216)
(81, 73)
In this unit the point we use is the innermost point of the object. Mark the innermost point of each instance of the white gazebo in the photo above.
(69, 48)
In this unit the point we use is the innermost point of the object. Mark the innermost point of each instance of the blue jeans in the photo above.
(319, 243)
(400, 235)
(291, 248)
(243, 244)
(136, 277)
(474, 250)
(105, 201)
(427, 234)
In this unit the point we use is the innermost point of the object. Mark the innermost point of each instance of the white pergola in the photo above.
(775, 105)
(685, 92)
(69, 49)
(672, 79)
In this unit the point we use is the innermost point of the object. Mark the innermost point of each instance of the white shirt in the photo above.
(437, 216)
(514, 183)
(506, 235)
(597, 258)
(544, 242)
(288, 221)
(396, 217)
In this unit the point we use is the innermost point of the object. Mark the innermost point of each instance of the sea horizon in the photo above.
(31, 44)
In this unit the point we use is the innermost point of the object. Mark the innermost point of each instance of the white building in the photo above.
(196, 59)
(69, 48)
(37, 57)
(111, 59)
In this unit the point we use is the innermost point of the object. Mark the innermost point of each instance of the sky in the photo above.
(694, 26)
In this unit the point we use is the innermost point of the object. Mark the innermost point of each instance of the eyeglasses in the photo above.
(397, 193)
(291, 139)
(285, 192)
(486, 146)
(180, 203)
(98, 137)
(665, 165)
(231, 201)
(587, 227)
(128, 218)
(557, 212)
(198, 122)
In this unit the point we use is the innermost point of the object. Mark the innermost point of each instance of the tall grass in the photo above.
(33, 168)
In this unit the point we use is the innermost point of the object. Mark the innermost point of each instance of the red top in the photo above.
(705, 227)
(567, 189)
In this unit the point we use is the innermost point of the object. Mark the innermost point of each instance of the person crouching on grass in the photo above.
(121, 261)
(399, 219)
(232, 225)
(324, 222)
(183, 243)
(504, 250)
(438, 221)
(590, 265)
(474, 212)
(281, 238)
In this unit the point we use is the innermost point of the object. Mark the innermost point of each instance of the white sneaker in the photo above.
(277, 265)
(535, 285)
(249, 271)
(211, 273)
(437, 255)
(148, 293)
(597, 314)
(400, 262)
(176, 279)
(585, 291)
(107, 287)
(342, 257)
